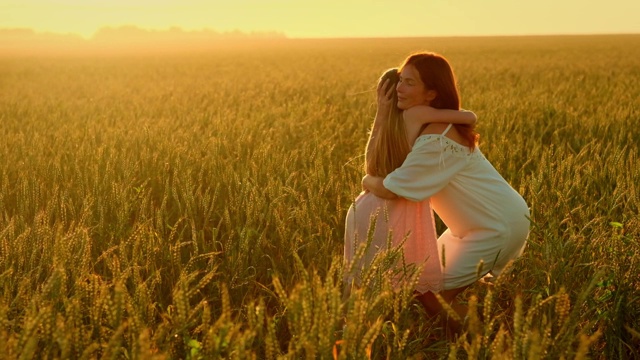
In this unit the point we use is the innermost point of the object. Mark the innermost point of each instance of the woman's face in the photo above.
(411, 90)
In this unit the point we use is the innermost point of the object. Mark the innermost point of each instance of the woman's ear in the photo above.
(430, 95)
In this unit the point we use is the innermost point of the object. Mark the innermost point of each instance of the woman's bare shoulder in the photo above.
(439, 128)
(435, 128)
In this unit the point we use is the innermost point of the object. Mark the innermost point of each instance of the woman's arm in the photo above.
(426, 170)
(385, 104)
(375, 185)
(422, 114)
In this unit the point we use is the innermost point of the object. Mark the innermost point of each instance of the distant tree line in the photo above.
(176, 33)
(129, 35)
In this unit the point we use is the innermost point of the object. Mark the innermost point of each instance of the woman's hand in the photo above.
(362, 183)
(376, 186)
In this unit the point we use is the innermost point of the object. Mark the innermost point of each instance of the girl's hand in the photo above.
(385, 98)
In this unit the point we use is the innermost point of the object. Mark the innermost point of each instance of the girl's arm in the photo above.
(385, 93)
(422, 114)
(375, 185)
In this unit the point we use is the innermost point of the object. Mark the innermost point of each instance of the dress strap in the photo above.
(441, 161)
(446, 130)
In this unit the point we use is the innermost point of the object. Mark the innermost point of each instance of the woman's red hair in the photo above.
(436, 74)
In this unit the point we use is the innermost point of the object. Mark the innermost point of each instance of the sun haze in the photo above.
(329, 18)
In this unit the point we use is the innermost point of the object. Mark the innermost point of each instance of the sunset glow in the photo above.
(329, 18)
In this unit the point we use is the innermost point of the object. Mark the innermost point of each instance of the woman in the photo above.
(487, 219)
(408, 221)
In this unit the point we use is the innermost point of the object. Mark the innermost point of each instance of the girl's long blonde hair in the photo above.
(391, 146)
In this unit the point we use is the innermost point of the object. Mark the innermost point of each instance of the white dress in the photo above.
(487, 219)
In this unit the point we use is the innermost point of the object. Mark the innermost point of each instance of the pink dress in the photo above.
(404, 218)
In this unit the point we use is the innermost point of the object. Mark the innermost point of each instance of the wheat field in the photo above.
(191, 204)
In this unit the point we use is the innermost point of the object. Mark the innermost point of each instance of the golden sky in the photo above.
(330, 18)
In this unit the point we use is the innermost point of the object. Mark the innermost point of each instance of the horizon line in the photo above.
(281, 34)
